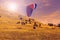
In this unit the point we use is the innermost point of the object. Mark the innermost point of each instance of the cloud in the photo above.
(45, 2)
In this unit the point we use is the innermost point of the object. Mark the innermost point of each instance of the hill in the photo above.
(22, 28)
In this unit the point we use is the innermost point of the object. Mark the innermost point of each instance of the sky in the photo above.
(47, 11)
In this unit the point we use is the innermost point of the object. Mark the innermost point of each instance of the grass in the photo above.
(30, 34)
(9, 30)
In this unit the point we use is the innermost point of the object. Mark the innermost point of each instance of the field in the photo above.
(30, 34)
(9, 30)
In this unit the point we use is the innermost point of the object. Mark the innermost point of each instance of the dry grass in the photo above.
(9, 30)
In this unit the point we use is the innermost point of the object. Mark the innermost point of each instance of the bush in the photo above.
(0, 16)
(50, 24)
(18, 23)
(58, 25)
(23, 23)
(34, 27)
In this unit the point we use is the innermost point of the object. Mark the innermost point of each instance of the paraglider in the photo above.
(30, 9)
(35, 5)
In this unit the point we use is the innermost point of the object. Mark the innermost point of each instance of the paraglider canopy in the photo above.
(30, 9)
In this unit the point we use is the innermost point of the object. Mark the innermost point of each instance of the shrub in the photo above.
(58, 25)
(18, 23)
(34, 27)
(50, 24)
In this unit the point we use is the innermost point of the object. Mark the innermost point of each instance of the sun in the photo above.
(12, 7)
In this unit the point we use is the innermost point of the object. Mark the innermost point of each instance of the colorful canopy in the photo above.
(30, 9)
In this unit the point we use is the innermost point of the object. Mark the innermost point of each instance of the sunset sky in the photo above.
(47, 11)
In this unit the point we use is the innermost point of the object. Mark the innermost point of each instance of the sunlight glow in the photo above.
(12, 7)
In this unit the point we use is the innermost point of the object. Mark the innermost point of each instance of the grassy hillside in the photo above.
(12, 29)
